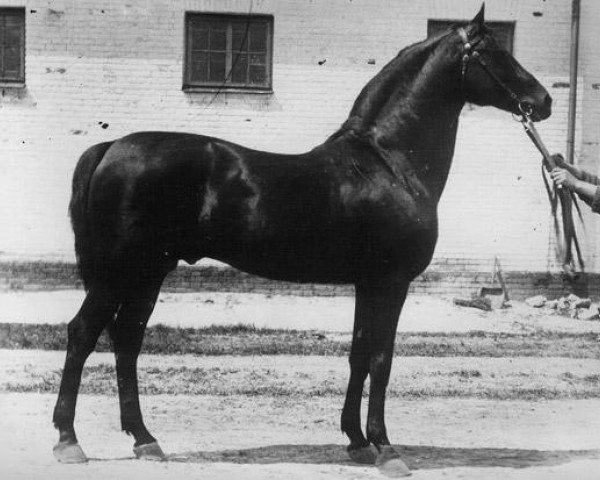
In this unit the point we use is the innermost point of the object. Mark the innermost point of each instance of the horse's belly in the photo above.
(338, 257)
(301, 260)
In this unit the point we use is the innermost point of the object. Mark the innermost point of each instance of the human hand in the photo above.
(559, 161)
(562, 178)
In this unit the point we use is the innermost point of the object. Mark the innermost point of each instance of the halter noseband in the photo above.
(468, 52)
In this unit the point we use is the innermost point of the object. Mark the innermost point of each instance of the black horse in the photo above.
(360, 209)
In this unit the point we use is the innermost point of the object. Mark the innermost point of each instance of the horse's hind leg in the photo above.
(97, 310)
(127, 333)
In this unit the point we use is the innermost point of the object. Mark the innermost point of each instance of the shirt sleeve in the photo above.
(592, 202)
(589, 178)
(595, 204)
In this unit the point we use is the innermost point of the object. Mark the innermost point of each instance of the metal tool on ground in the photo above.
(498, 295)
(489, 297)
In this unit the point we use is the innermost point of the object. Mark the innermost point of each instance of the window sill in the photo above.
(245, 91)
(15, 85)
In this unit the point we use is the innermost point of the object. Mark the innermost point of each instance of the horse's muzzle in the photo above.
(540, 108)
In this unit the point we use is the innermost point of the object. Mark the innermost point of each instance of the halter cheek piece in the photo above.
(469, 53)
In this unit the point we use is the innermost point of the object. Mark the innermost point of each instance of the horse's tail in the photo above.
(78, 210)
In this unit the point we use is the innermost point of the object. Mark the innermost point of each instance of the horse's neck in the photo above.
(431, 150)
(415, 128)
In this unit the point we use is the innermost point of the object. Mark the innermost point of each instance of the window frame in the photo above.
(493, 24)
(224, 85)
(20, 80)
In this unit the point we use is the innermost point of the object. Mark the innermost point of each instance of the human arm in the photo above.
(577, 172)
(588, 192)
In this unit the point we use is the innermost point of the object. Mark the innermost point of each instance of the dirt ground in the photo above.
(333, 314)
(274, 438)
(224, 436)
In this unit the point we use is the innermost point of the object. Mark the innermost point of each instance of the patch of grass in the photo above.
(248, 340)
(594, 379)
(253, 380)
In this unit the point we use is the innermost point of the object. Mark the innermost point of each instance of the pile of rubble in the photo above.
(571, 306)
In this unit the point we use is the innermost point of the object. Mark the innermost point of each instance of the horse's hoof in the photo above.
(150, 451)
(366, 455)
(389, 463)
(69, 453)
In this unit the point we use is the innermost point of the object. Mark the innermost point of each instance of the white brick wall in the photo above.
(91, 62)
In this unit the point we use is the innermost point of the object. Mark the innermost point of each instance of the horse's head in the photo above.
(492, 76)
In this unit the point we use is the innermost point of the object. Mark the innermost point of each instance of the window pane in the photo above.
(1, 45)
(239, 34)
(12, 29)
(199, 67)
(199, 38)
(257, 75)
(258, 59)
(239, 68)
(219, 51)
(12, 59)
(218, 38)
(217, 67)
(258, 37)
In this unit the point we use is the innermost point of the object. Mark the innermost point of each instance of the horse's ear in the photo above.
(480, 17)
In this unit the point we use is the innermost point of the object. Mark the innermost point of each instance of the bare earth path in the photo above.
(220, 437)
(277, 417)
(334, 314)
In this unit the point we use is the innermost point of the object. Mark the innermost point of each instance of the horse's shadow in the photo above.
(417, 457)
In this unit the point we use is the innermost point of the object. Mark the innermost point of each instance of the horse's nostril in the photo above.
(548, 102)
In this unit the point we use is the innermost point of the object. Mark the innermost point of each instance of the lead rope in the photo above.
(568, 240)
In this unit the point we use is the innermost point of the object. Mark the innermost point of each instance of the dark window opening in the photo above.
(12, 45)
(228, 51)
(504, 32)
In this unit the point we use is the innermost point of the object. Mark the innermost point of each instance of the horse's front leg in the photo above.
(381, 303)
(359, 450)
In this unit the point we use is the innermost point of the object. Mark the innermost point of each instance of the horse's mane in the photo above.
(396, 76)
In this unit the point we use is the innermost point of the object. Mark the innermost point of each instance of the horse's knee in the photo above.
(81, 342)
(359, 360)
(379, 367)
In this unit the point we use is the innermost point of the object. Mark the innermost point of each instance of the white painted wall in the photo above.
(91, 62)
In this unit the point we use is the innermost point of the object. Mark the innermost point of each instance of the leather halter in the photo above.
(470, 53)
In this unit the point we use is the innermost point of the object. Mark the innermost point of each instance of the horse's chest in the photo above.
(400, 233)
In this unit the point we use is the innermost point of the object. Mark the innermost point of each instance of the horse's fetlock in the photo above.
(63, 422)
(130, 426)
(377, 434)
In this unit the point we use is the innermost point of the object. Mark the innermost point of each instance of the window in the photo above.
(228, 51)
(502, 31)
(12, 45)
